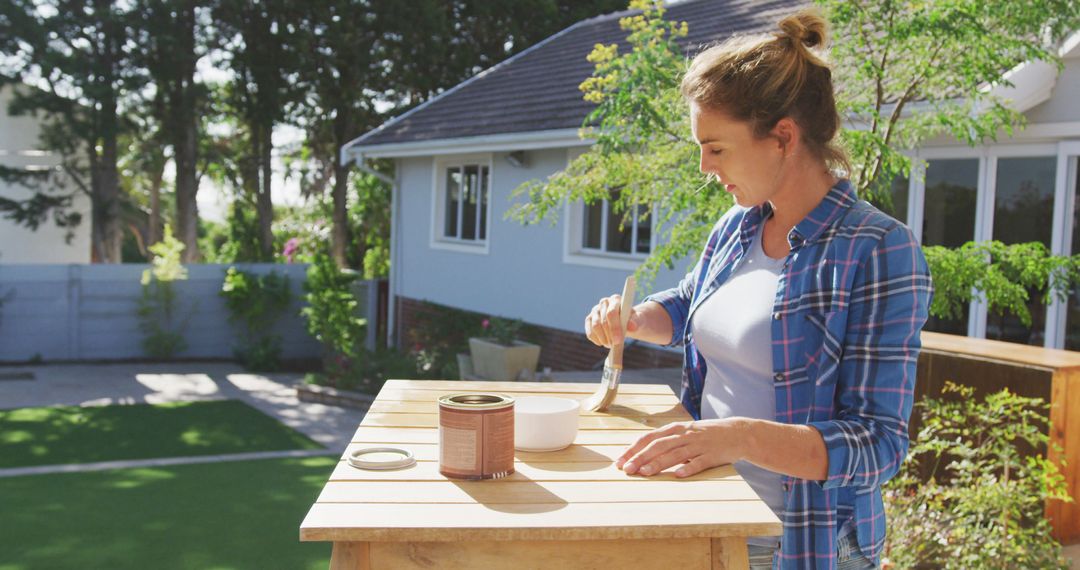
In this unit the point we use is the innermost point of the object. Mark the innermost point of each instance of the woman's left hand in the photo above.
(699, 445)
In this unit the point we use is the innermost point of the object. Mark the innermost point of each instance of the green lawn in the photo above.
(234, 515)
(48, 436)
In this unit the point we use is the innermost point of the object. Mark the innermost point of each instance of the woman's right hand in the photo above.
(603, 325)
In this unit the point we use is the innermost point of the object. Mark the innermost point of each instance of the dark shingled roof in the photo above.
(537, 90)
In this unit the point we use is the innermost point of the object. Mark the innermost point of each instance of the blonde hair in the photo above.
(762, 79)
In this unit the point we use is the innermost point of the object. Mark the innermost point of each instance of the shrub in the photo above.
(368, 371)
(331, 309)
(439, 334)
(972, 494)
(157, 307)
(503, 331)
(254, 303)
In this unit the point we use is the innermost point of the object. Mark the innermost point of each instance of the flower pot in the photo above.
(494, 361)
(465, 365)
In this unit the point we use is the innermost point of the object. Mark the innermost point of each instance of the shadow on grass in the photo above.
(217, 515)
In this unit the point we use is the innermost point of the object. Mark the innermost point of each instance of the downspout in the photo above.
(361, 164)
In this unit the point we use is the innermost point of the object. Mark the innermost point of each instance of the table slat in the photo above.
(500, 491)
(573, 454)
(413, 395)
(674, 411)
(376, 419)
(581, 471)
(376, 434)
(514, 387)
(550, 521)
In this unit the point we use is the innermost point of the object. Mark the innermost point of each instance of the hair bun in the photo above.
(807, 27)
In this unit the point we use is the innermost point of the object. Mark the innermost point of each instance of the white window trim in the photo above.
(438, 189)
(1064, 201)
(988, 155)
(573, 233)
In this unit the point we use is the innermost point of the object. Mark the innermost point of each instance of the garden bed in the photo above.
(333, 396)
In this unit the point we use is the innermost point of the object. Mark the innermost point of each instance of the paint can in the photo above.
(476, 436)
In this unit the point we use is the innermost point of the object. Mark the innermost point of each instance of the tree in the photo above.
(887, 55)
(343, 75)
(259, 46)
(359, 54)
(907, 72)
(170, 51)
(76, 56)
(643, 158)
(142, 170)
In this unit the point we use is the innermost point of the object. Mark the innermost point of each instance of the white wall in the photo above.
(18, 244)
(523, 275)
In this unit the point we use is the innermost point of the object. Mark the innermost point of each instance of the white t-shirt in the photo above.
(733, 331)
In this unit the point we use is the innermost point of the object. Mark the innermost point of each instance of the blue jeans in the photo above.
(848, 555)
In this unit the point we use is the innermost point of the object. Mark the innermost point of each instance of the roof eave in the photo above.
(559, 138)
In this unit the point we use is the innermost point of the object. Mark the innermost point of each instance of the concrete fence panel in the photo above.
(88, 312)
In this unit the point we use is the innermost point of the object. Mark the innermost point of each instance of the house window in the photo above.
(607, 231)
(952, 187)
(1072, 314)
(1023, 212)
(461, 205)
(897, 204)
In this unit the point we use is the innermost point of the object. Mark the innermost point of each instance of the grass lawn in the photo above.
(49, 436)
(234, 515)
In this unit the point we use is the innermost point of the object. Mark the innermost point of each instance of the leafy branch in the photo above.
(1003, 274)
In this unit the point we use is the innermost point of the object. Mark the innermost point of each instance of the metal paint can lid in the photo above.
(379, 458)
(476, 401)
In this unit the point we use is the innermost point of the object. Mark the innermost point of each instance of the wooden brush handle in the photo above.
(615, 357)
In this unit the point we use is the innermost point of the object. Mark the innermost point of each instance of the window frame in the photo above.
(1066, 154)
(438, 240)
(574, 250)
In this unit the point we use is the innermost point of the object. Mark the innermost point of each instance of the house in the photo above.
(459, 156)
(19, 149)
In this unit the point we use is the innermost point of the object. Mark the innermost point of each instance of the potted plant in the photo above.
(500, 356)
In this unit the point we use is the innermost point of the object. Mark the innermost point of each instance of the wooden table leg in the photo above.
(350, 556)
(730, 553)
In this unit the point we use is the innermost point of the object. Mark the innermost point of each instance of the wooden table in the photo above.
(563, 509)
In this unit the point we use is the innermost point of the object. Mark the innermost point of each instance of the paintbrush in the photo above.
(613, 365)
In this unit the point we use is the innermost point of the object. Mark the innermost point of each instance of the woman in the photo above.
(800, 320)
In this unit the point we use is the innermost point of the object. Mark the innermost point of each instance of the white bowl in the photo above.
(543, 423)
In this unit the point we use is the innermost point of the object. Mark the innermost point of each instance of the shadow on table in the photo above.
(521, 495)
(572, 459)
(675, 411)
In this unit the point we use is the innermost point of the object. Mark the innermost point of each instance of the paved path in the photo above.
(161, 462)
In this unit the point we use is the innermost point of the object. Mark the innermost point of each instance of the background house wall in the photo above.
(18, 244)
(523, 275)
(1062, 105)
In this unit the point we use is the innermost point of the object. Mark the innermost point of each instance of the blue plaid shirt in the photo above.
(851, 300)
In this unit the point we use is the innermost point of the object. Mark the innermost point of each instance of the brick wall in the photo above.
(561, 350)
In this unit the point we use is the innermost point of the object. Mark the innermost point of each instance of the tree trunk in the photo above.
(108, 231)
(187, 183)
(153, 230)
(340, 232)
(184, 139)
(265, 205)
